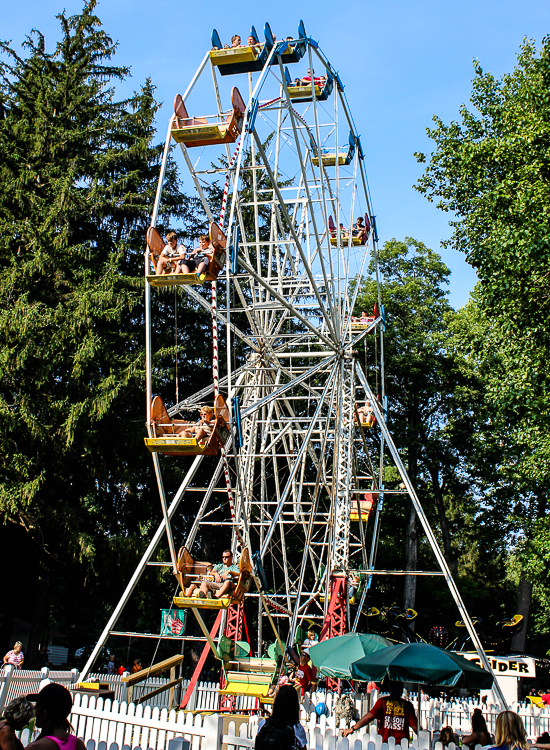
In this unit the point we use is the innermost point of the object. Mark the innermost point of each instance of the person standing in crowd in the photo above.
(111, 665)
(15, 656)
(53, 706)
(510, 732)
(137, 666)
(394, 714)
(17, 714)
(304, 674)
(282, 729)
(480, 734)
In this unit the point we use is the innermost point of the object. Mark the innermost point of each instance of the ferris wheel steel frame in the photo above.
(300, 440)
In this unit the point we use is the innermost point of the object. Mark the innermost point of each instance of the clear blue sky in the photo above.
(401, 61)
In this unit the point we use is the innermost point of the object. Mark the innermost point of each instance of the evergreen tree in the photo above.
(78, 173)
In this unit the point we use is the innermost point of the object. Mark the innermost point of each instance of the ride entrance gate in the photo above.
(301, 466)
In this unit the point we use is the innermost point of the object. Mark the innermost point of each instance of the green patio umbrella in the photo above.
(421, 663)
(334, 656)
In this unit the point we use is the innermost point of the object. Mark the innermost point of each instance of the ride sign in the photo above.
(506, 666)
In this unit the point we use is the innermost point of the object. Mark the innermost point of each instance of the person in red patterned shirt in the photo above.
(394, 714)
(15, 656)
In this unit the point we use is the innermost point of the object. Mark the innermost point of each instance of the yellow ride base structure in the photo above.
(173, 279)
(299, 92)
(176, 445)
(233, 55)
(192, 602)
(329, 160)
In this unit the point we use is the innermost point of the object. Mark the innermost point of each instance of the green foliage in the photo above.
(78, 175)
(437, 414)
(491, 170)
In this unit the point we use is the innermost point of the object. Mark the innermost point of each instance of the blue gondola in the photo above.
(344, 154)
(303, 93)
(251, 59)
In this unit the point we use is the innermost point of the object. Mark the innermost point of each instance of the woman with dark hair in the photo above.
(282, 729)
(480, 734)
(54, 703)
(17, 715)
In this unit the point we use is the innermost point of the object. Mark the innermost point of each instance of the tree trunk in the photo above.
(525, 591)
(411, 538)
(8, 617)
(452, 562)
(411, 542)
(37, 622)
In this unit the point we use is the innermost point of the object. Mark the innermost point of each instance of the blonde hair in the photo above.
(171, 236)
(209, 410)
(509, 730)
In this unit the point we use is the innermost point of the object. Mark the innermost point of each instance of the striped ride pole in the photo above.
(226, 186)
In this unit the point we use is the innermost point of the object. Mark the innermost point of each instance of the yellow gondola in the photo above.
(358, 238)
(186, 566)
(156, 245)
(207, 131)
(366, 506)
(343, 156)
(166, 432)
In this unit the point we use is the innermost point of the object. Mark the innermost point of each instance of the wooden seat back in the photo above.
(156, 245)
(162, 424)
(243, 583)
(188, 566)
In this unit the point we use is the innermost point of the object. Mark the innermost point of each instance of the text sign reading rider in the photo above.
(509, 666)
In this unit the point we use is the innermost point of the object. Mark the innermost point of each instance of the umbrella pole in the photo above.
(418, 701)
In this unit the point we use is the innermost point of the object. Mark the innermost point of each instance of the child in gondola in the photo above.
(203, 429)
(199, 259)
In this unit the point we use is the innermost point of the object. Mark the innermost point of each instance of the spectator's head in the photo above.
(18, 713)
(207, 412)
(478, 722)
(311, 635)
(360, 221)
(446, 735)
(204, 241)
(304, 658)
(227, 556)
(236, 41)
(171, 237)
(286, 705)
(509, 730)
(53, 705)
(251, 41)
(395, 689)
(17, 647)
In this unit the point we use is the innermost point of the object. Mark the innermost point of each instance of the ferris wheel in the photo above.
(300, 463)
(295, 423)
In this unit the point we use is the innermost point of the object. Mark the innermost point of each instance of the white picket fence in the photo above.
(17, 682)
(106, 725)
